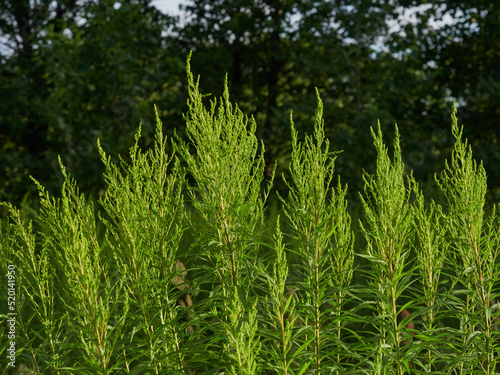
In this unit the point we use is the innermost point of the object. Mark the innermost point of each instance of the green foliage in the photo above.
(431, 247)
(388, 231)
(74, 82)
(35, 282)
(321, 226)
(227, 167)
(69, 235)
(74, 71)
(281, 316)
(103, 288)
(475, 242)
(144, 203)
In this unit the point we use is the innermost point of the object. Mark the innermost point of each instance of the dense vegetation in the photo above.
(177, 269)
(72, 71)
(219, 243)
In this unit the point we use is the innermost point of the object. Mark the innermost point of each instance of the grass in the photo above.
(179, 268)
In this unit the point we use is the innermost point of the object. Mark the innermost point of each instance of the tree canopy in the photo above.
(73, 71)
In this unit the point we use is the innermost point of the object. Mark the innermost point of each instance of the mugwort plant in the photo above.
(187, 264)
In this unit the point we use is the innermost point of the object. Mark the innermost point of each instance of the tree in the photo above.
(276, 53)
(93, 72)
(467, 54)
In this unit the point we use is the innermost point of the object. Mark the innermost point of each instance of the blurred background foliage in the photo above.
(73, 71)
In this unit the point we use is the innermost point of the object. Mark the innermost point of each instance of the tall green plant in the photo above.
(431, 250)
(282, 316)
(317, 214)
(101, 293)
(144, 208)
(227, 168)
(476, 246)
(387, 230)
(40, 326)
(89, 292)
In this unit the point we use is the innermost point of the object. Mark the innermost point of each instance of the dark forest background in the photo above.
(72, 71)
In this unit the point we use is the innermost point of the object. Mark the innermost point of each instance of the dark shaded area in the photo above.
(74, 71)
